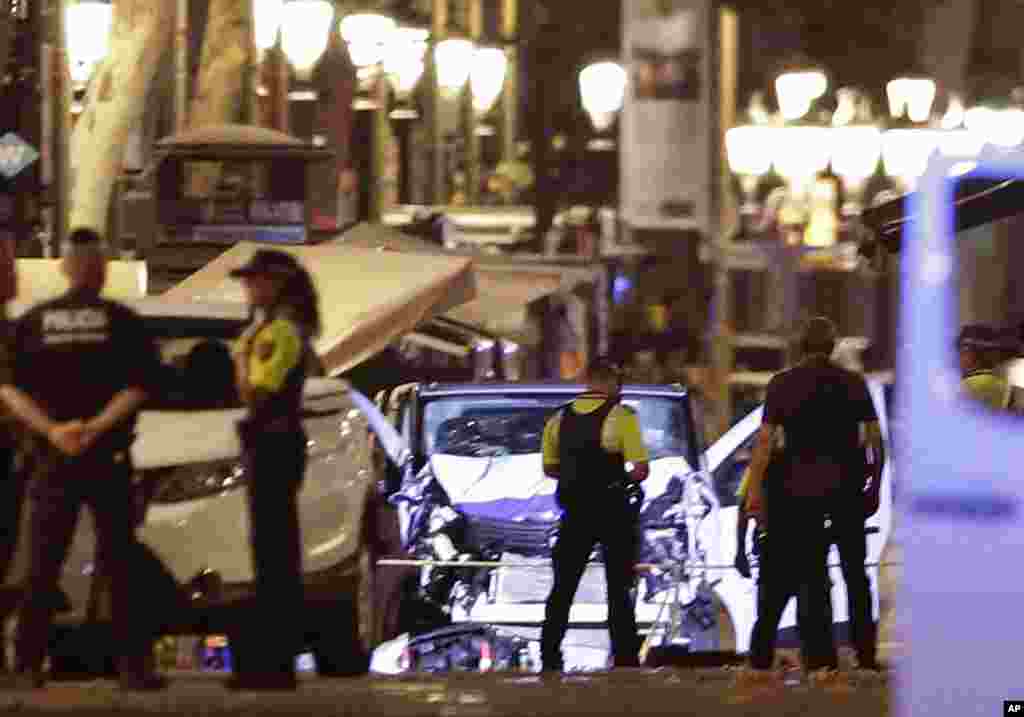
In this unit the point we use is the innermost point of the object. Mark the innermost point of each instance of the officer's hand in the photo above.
(89, 433)
(742, 563)
(67, 437)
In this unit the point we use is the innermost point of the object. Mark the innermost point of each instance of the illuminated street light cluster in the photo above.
(375, 43)
(853, 144)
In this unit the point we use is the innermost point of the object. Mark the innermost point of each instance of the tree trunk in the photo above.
(141, 34)
(223, 73)
(6, 33)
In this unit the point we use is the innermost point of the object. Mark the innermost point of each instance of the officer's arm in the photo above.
(758, 464)
(123, 405)
(26, 410)
(549, 444)
(742, 517)
(633, 449)
(875, 446)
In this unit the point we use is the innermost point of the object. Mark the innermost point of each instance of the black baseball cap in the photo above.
(84, 236)
(979, 336)
(605, 366)
(268, 262)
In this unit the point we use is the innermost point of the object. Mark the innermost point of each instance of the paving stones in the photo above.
(632, 692)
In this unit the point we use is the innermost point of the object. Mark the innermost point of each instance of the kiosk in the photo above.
(221, 184)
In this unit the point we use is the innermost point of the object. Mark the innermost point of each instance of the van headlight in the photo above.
(191, 482)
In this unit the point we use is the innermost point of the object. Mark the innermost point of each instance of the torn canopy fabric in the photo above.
(367, 298)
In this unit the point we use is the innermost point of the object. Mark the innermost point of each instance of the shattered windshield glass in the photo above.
(490, 426)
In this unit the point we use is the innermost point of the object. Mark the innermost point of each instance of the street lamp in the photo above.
(367, 36)
(602, 90)
(1001, 127)
(856, 150)
(305, 30)
(87, 28)
(487, 77)
(796, 91)
(911, 96)
(454, 59)
(403, 58)
(799, 153)
(905, 152)
(749, 150)
(267, 16)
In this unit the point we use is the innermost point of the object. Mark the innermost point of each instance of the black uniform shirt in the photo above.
(820, 407)
(76, 352)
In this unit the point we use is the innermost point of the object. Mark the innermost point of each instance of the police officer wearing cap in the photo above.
(83, 369)
(586, 447)
(979, 349)
(272, 360)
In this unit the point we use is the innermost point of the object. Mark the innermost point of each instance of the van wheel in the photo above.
(345, 636)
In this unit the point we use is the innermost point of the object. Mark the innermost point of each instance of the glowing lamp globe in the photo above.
(305, 29)
(487, 77)
(603, 90)
(87, 30)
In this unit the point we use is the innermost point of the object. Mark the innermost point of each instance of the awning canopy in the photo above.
(976, 202)
(506, 283)
(367, 298)
(42, 279)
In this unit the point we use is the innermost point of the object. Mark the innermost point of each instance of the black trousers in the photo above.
(848, 535)
(60, 489)
(12, 501)
(272, 635)
(792, 564)
(613, 525)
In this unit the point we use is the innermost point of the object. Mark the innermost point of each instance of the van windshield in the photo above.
(489, 426)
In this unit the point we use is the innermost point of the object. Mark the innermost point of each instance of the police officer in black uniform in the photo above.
(84, 367)
(828, 423)
(272, 360)
(12, 483)
(586, 448)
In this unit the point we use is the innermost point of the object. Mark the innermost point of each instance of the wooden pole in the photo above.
(439, 31)
(510, 96)
(722, 357)
(475, 12)
(182, 71)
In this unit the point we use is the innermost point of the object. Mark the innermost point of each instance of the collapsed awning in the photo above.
(367, 298)
(975, 202)
(506, 283)
(42, 279)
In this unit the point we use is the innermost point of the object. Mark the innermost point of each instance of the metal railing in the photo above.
(546, 564)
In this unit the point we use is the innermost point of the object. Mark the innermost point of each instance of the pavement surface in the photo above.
(636, 693)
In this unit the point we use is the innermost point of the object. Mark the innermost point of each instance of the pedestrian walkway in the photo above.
(639, 692)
